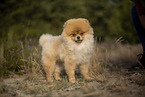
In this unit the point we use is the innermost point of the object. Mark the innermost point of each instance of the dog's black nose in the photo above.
(78, 37)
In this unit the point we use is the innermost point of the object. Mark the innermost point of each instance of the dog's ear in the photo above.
(85, 20)
(66, 23)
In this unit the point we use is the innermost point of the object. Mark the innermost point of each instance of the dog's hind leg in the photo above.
(48, 65)
(57, 70)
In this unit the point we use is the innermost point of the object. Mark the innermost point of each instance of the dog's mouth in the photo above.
(78, 41)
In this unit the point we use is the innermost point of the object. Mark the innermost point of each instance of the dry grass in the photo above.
(108, 69)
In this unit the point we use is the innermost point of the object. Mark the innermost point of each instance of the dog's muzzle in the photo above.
(78, 39)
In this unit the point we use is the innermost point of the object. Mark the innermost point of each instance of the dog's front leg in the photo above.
(85, 71)
(70, 69)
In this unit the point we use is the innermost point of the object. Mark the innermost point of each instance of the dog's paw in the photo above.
(49, 80)
(72, 80)
(88, 78)
(58, 79)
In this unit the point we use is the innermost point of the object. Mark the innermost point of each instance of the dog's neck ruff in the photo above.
(80, 52)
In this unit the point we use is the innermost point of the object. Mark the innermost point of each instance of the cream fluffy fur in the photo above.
(58, 49)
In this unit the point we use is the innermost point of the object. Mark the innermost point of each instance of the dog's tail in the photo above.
(44, 38)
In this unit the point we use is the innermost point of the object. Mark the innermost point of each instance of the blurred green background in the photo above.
(25, 19)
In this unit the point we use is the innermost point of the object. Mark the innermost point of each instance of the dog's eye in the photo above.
(81, 33)
(74, 34)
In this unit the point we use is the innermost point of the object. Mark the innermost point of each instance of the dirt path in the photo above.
(109, 84)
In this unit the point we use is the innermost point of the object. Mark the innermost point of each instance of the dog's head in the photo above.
(77, 29)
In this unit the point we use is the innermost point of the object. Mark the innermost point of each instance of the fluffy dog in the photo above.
(73, 47)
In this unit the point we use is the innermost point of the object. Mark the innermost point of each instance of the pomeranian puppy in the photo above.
(73, 47)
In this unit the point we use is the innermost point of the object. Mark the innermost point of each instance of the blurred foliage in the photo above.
(30, 18)
(20, 58)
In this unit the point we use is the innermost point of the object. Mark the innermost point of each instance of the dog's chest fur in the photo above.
(79, 53)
